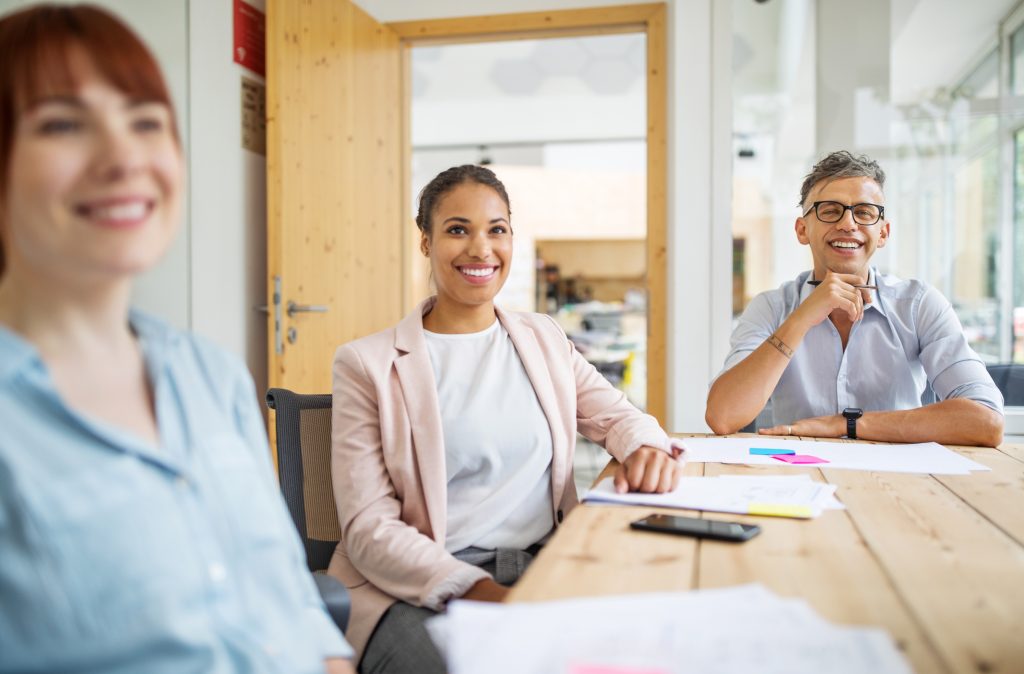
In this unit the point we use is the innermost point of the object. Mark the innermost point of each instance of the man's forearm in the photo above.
(739, 394)
(951, 422)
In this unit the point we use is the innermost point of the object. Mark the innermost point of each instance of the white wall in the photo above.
(700, 239)
(229, 195)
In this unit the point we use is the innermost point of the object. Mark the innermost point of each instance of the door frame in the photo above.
(649, 19)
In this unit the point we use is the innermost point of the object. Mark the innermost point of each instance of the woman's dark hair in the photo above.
(448, 180)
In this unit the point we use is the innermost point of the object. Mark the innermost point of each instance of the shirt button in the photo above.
(218, 573)
(270, 650)
(181, 482)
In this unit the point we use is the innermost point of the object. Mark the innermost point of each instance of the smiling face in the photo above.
(95, 181)
(469, 246)
(842, 247)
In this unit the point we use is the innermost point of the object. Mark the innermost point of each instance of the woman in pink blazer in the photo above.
(454, 431)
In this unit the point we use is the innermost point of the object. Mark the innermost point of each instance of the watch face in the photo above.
(853, 412)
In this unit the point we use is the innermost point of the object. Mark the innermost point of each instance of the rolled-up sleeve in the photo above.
(952, 366)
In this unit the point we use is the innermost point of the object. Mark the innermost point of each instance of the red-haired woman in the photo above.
(140, 526)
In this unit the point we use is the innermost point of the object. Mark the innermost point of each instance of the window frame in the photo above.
(1011, 121)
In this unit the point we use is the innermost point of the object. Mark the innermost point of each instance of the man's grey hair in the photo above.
(838, 165)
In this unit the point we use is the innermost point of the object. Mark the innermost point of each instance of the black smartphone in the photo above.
(691, 526)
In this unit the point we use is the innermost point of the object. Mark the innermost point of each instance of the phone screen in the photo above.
(690, 525)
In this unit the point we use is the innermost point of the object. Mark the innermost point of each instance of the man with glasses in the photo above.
(844, 350)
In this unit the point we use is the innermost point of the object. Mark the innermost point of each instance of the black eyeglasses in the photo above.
(832, 211)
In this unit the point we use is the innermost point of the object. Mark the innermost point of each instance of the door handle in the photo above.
(294, 308)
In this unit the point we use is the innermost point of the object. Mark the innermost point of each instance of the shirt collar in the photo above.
(18, 354)
(877, 304)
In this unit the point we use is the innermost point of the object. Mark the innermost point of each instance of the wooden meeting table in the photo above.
(938, 561)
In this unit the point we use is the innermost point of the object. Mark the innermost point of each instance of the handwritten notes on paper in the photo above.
(775, 495)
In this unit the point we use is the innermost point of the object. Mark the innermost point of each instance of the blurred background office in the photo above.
(757, 90)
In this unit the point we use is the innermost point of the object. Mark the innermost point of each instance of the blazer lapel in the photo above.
(537, 370)
(419, 391)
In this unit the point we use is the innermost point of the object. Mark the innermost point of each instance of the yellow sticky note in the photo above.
(779, 510)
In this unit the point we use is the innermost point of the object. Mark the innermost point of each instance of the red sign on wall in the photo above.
(250, 37)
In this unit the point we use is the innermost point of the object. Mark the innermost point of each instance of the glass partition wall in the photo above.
(932, 90)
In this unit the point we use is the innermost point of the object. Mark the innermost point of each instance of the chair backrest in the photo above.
(1009, 378)
(304, 468)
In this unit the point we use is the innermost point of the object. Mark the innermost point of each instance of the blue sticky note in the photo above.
(768, 451)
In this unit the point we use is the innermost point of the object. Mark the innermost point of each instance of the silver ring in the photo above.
(790, 430)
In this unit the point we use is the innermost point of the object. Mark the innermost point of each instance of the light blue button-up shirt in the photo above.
(118, 556)
(908, 338)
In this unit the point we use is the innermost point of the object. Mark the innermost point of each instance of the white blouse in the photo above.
(497, 442)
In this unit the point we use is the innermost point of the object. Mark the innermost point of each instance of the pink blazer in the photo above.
(388, 459)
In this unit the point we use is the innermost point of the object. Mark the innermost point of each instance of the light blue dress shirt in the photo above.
(908, 339)
(118, 556)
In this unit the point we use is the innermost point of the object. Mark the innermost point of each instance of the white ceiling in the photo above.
(936, 41)
(558, 89)
(933, 41)
(933, 44)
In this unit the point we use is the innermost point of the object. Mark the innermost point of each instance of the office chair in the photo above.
(1009, 378)
(304, 468)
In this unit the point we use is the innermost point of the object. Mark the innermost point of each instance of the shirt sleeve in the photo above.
(455, 585)
(318, 622)
(952, 366)
(757, 322)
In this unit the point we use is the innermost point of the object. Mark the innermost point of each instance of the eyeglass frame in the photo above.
(814, 207)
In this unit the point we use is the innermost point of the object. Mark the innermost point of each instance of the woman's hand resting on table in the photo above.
(650, 470)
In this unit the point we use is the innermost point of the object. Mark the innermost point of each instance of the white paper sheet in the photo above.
(725, 631)
(928, 457)
(744, 495)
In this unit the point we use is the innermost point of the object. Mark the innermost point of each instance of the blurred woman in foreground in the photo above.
(141, 529)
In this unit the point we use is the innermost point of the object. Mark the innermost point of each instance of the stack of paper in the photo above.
(927, 457)
(741, 629)
(777, 495)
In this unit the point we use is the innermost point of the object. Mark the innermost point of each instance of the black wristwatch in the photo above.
(852, 414)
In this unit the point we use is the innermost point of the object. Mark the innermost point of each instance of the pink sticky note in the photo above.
(584, 668)
(800, 458)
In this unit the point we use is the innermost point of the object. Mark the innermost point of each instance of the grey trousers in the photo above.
(400, 643)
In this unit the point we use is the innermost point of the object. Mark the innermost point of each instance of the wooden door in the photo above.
(649, 19)
(334, 185)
